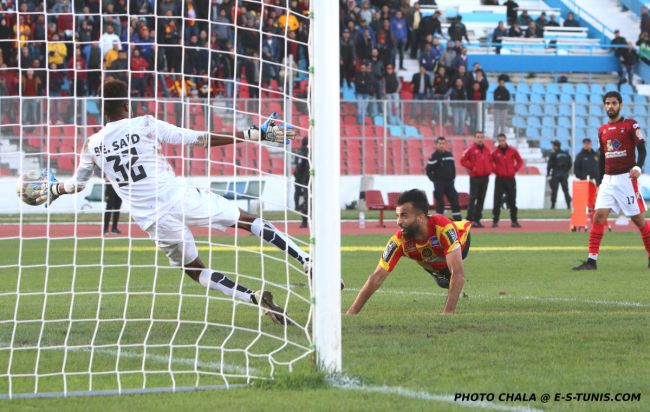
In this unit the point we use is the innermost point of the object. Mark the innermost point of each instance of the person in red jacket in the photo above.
(506, 162)
(478, 161)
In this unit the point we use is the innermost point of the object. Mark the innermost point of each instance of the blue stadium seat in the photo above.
(567, 88)
(564, 122)
(580, 122)
(489, 97)
(611, 87)
(521, 110)
(538, 88)
(596, 98)
(378, 120)
(582, 88)
(534, 122)
(581, 110)
(548, 122)
(639, 99)
(585, 132)
(550, 109)
(551, 98)
(553, 88)
(521, 98)
(639, 110)
(536, 98)
(581, 98)
(535, 110)
(595, 122)
(522, 87)
(564, 108)
(519, 122)
(566, 98)
(596, 109)
(395, 131)
(562, 134)
(411, 131)
(492, 87)
(510, 87)
(627, 99)
(596, 89)
(532, 133)
(626, 89)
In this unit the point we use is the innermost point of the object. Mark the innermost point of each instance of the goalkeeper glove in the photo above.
(49, 191)
(271, 132)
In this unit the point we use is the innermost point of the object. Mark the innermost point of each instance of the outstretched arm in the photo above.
(456, 281)
(372, 284)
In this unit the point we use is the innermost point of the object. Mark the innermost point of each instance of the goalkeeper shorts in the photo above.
(200, 208)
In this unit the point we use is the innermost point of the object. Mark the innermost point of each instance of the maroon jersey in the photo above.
(618, 142)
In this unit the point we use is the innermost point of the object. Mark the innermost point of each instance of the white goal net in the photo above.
(88, 306)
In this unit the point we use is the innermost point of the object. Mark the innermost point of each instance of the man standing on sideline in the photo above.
(113, 206)
(506, 162)
(585, 165)
(619, 190)
(558, 167)
(442, 172)
(478, 161)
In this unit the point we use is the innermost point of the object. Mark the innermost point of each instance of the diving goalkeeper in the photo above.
(436, 243)
(127, 150)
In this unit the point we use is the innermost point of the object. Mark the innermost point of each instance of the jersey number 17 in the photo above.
(127, 169)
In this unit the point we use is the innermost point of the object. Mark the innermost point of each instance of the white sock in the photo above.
(217, 281)
(593, 256)
(278, 239)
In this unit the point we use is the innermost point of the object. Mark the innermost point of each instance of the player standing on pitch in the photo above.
(619, 189)
(128, 151)
(436, 243)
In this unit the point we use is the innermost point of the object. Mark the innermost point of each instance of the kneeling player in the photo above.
(127, 150)
(438, 244)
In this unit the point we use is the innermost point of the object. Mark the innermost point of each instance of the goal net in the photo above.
(84, 309)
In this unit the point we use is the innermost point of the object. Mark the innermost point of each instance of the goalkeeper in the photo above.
(436, 243)
(128, 151)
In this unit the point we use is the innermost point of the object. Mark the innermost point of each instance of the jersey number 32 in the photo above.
(127, 169)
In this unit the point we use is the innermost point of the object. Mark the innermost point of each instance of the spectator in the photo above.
(457, 30)
(56, 51)
(511, 10)
(645, 20)
(222, 28)
(441, 85)
(629, 58)
(515, 30)
(271, 56)
(348, 57)
(458, 96)
(94, 69)
(31, 89)
(428, 59)
(393, 87)
(533, 31)
(82, 74)
(524, 19)
(142, 38)
(644, 40)
(366, 12)
(138, 65)
(467, 79)
(441, 170)
(448, 58)
(501, 94)
(479, 76)
(497, 36)
(386, 43)
(421, 83)
(586, 163)
(557, 170)
(551, 21)
(107, 39)
(120, 67)
(618, 40)
(377, 68)
(478, 161)
(413, 19)
(430, 25)
(113, 205)
(364, 45)
(571, 21)
(365, 88)
(55, 86)
(506, 162)
(476, 96)
(541, 21)
(400, 31)
(112, 55)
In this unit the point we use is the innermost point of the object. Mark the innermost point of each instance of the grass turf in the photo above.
(528, 324)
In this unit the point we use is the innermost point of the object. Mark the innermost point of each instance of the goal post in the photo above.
(84, 312)
(326, 213)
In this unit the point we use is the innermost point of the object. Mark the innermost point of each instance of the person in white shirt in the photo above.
(128, 151)
(107, 39)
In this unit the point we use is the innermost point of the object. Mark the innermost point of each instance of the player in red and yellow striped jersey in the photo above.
(436, 243)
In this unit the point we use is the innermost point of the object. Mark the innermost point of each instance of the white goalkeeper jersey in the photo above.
(128, 153)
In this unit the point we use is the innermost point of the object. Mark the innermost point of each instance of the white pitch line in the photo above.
(515, 297)
(347, 383)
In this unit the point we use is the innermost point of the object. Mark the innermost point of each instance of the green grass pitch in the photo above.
(527, 324)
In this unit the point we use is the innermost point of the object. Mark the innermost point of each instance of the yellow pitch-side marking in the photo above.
(357, 248)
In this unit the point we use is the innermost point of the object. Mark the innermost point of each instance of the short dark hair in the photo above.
(116, 94)
(586, 140)
(556, 143)
(440, 138)
(613, 93)
(417, 198)
(501, 135)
